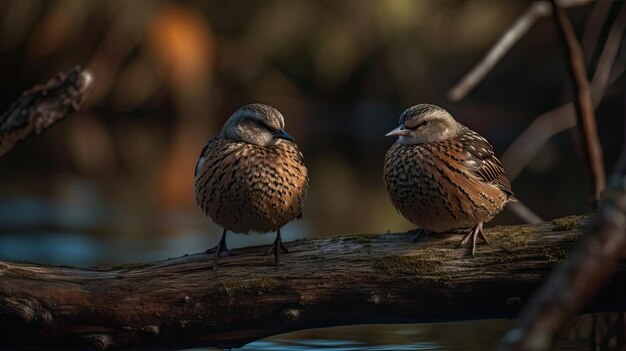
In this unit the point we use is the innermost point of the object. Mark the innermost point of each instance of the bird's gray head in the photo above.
(425, 123)
(256, 124)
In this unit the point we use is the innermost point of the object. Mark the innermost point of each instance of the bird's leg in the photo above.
(218, 249)
(474, 234)
(277, 248)
(419, 234)
(482, 235)
(221, 246)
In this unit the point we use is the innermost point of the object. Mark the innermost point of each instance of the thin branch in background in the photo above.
(593, 27)
(495, 54)
(524, 212)
(573, 284)
(42, 106)
(602, 75)
(583, 103)
(527, 145)
(524, 148)
(521, 26)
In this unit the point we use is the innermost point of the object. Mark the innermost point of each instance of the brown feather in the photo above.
(446, 185)
(245, 187)
(487, 165)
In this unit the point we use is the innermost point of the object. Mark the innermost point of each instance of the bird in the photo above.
(442, 176)
(251, 177)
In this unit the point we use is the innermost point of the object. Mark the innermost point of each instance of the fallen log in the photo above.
(345, 279)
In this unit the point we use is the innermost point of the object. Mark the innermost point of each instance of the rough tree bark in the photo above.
(345, 279)
(42, 106)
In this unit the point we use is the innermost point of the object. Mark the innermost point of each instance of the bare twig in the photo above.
(524, 148)
(43, 106)
(504, 44)
(495, 54)
(523, 151)
(602, 75)
(583, 103)
(573, 284)
(591, 35)
(524, 212)
(527, 145)
(521, 26)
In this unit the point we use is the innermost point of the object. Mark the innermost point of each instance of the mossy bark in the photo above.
(322, 282)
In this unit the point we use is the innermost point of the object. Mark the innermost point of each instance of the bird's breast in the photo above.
(245, 187)
(434, 191)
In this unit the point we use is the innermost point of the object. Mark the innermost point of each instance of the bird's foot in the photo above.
(223, 250)
(277, 248)
(219, 249)
(474, 234)
(278, 245)
(419, 234)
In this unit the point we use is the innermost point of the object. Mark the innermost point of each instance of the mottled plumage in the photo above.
(251, 177)
(442, 176)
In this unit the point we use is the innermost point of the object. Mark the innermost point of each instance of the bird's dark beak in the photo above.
(400, 131)
(283, 135)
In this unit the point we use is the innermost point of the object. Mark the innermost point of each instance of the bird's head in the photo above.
(425, 123)
(256, 124)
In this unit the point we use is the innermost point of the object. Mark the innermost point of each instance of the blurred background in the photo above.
(114, 182)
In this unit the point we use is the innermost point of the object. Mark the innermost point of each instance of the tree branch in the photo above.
(524, 213)
(593, 27)
(573, 284)
(585, 114)
(471, 79)
(526, 145)
(347, 279)
(520, 27)
(42, 106)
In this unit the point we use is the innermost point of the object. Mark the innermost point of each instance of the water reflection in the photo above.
(69, 233)
(334, 345)
(458, 336)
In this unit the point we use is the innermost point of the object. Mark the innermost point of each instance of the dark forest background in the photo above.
(168, 74)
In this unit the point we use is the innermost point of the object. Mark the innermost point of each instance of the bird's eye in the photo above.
(423, 124)
(258, 123)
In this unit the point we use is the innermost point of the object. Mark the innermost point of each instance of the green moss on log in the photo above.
(509, 238)
(423, 263)
(572, 237)
(569, 223)
(253, 286)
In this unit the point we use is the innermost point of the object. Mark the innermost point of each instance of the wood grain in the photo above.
(346, 279)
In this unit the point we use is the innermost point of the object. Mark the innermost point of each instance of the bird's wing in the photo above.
(203, 154)
(483, 161)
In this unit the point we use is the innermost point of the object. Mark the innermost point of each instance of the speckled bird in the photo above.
(251, 177)
(443, 176)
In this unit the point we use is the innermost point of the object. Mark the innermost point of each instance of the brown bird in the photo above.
(443, 176)
(251, 177)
